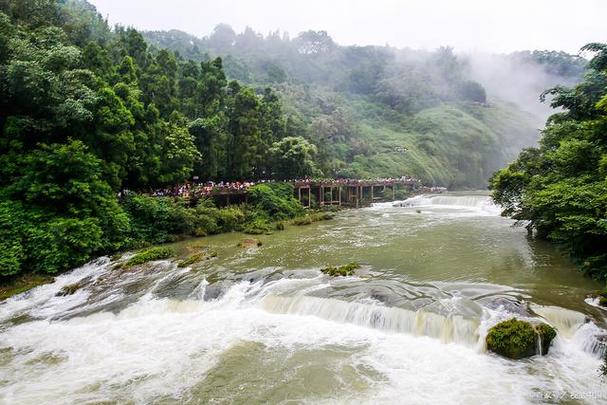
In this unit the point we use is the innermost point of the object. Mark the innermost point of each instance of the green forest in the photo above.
(94, 116)
(559, 189)
(383, 110)
(90, 113)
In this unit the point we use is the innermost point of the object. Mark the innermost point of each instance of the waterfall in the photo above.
(576, 327)
(566, 321)
(448, 329)
(481, 204)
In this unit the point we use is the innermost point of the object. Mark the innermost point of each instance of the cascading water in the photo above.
(447, 329)
(265, 325)
(478, 204)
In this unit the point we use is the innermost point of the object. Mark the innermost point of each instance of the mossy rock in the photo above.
(341, 271)
(151, 254)
(22, 284)
(516, 339)
(546, 333)
(68, 289)
(195, 258)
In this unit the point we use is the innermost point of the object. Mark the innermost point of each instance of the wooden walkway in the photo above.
(342, 192)
(353, 193)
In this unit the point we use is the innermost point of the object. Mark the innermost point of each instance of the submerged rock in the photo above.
(510, 305)
(72, 288)
(516, 339)
(249, 243)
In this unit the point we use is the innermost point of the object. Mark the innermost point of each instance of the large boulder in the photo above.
(516, 339)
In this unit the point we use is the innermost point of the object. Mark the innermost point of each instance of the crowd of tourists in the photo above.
(206, 189)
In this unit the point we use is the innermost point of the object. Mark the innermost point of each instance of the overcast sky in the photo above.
(467, 25)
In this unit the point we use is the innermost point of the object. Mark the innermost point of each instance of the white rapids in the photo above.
(160, 347)
(480, 205)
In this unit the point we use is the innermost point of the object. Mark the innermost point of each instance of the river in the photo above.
(263, 324)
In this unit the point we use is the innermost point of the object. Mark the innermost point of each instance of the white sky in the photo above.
(467, 25)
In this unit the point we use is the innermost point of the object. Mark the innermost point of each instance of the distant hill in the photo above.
(382, 111)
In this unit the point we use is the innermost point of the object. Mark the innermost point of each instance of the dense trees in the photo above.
(560, 188)
(87, 112)
(364, 106)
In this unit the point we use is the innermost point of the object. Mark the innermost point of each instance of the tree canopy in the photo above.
(559, 189)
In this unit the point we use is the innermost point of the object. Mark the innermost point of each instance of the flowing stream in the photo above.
(263, 324)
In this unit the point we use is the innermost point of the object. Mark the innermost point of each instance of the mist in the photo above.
(469, 25)
(517, 79)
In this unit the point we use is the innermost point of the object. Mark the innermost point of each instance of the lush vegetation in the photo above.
(379, 111)
(91, 116)
(89, 113)
(560, 188)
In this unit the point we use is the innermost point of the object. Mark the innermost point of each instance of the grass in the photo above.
(22, 284)
(313, 217)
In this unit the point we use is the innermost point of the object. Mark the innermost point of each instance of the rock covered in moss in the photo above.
(346, 270)
(546, 334)
(516, 339)
(68, 290)
(151, 254)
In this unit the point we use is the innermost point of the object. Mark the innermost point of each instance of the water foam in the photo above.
(481, 205)
(159, 348)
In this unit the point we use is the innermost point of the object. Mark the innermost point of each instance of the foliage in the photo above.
(258, 226)
(313, 217)
(343, 271)
(366, 109)
(276, 200)
(293, 158)
(148, 255)
(88, 112)
(560, 188)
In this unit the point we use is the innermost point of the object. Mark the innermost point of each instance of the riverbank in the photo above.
(159, 220)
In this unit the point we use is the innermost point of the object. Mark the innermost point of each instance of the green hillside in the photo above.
(377, 111)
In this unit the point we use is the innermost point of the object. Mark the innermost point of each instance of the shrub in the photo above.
(230, 219)
(153, 219)
(315, 217)
(258, 226)
(305, 220)
(275, 199)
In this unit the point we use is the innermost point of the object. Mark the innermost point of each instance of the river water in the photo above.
(263, 324)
